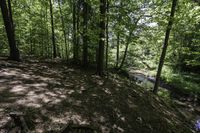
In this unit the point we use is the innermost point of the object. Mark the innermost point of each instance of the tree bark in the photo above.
(10, 13)
(47, 33)
(100, 57)
(107, 33)
(163, 54)
(78, 6)
(74, 32)
(14, 52)
(117, 53)
(63, 29)
(85, 36)
(52, 29)
(126, 50)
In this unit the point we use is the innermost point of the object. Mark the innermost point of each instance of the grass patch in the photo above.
(185, 82)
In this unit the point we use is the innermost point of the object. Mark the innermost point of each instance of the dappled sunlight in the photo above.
(10, 72)
(52, 96)
(107, 91)
(38, 85)
(70, 92)
(2, 80)
(118, 128)
(19, 89)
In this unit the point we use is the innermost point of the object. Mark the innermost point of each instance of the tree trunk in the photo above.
(52, 29)
(107, 34)
(78, 6)
(126, 50)
(43, 34)
(14, 52)
(63, 28)
(67, 47)
(100, 57)
(47, 33)
(85, 36)
(75, 47)
(10, 13)
(117, 53)
(162, 57)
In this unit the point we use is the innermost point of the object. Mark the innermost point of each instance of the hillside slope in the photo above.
(51, 94)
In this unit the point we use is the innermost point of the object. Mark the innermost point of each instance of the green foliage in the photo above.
(185, 82)
(145, 19)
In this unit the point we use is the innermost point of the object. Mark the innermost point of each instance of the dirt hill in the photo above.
(51, 94)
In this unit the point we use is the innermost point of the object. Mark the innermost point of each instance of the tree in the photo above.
(100, 55)
(75, 49)
(117, 53)
(10, 13)
(163, 54)
(126, 50)
(85, 36)
(52, 30)
(7, 18)
(107, 33)
(63, 29)
(76, 13)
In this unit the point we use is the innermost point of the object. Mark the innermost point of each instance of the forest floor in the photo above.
(51, 94)
(187, 103)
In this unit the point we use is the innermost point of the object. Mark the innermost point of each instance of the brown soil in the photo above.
(51, 94)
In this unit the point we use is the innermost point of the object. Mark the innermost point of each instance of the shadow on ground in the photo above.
(51, 94)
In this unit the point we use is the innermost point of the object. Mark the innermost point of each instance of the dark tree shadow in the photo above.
(51, 94)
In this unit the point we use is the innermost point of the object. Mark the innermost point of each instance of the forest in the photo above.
(99, 66)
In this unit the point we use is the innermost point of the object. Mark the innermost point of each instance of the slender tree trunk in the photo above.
(33, 44)
(30, 40)
(85, 36)
(117, 53)
(78, 6)
(75, 47)
(30, 32)
(68, 47)
(52, 29)
(14, 52)
(126, 50)
(47, 33)
(162, 57)
(107, 34)
(127, 44)
(43, 34)
(100, 57)
(63, 28)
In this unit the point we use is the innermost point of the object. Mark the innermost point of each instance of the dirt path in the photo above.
(52, 94)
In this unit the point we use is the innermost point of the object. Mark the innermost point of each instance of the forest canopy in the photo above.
(141, 24)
